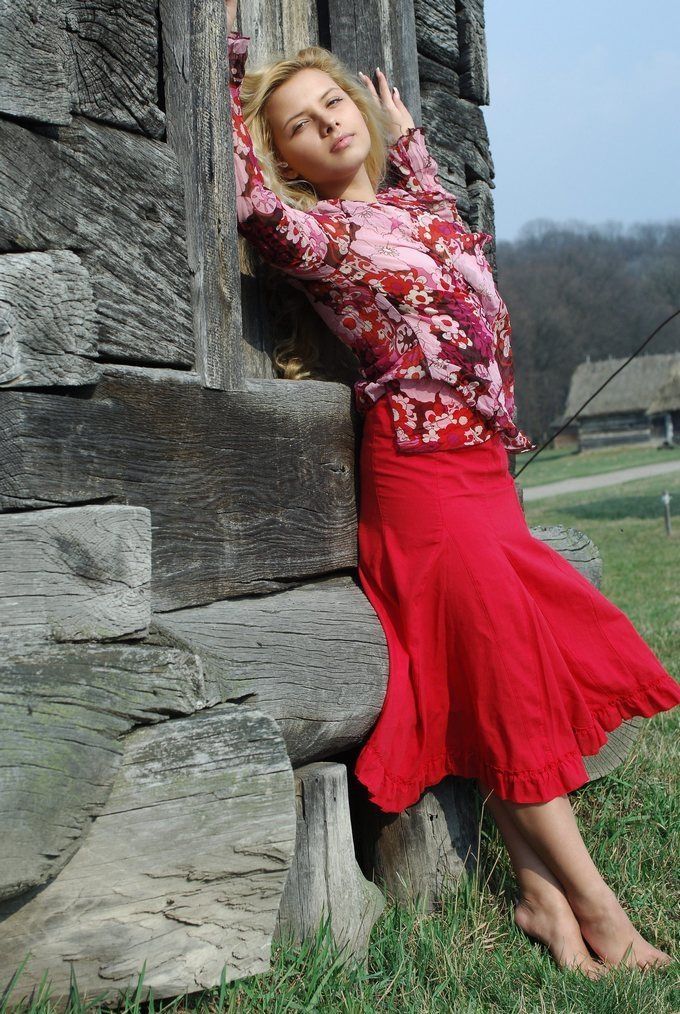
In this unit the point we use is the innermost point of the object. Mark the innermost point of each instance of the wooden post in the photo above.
(324, 880)
(666, 501)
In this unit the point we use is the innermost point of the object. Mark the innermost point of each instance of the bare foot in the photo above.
(611, 934)
(553, 923)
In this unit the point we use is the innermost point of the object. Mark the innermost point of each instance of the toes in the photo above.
(659, 960)
(593, 971)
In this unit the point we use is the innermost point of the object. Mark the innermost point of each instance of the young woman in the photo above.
(506, 664)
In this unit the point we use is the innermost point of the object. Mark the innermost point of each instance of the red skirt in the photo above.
(505, 662)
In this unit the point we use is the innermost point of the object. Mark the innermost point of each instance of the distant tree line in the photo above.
(576, 290)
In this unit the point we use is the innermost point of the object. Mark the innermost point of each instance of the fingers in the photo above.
(371, 87)
(390, 100)
(383, 87)
(385, 94)
(396, 98)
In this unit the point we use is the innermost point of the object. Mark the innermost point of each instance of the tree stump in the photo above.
(414, 855)
(325, 880)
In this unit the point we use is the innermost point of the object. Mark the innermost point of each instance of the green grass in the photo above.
(552, 464)
(468, 956)
(641, 563)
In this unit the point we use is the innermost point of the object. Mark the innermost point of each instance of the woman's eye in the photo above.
(338, 98)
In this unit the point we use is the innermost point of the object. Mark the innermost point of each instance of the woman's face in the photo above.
(308, 113)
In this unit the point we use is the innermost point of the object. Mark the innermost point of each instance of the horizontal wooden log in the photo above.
(213, 565)
(481, 216)
(325, 881)
(58, 58)
(616, 750)
(432, 72)
(453, 75)
(183, 868)
(437, 39)
(75, 574)
(47, 321)
(472, 67)
(314, 658)
(249, 491)
(34, 74)
(118, 200)
(252, 647)
(460, 138)
(575, 546)
(64, 711)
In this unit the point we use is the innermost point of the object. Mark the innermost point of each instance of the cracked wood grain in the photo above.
(205, 806)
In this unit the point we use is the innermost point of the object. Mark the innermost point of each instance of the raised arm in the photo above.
(416, 167)
(408, 153)
(294, 241)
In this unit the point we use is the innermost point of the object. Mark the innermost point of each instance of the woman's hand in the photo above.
(231, 13)
(390, 101)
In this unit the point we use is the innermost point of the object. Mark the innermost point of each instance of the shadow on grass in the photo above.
(616, 508)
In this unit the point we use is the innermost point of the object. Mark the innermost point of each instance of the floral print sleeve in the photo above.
(293, 240)
(418, 173)
(417, 168)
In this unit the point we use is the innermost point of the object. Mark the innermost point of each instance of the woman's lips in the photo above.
(342, 143)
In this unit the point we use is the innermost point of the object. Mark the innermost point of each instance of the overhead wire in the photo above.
(571, 419)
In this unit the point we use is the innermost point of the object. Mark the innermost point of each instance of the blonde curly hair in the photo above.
(299, 353)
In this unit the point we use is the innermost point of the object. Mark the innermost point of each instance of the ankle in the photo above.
(592, 901)
(542, 899)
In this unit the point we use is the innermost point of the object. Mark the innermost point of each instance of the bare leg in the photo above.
(552, 832)
(543, 910)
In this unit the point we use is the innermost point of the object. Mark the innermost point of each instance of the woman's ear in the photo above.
(289, 173)
(281, 164)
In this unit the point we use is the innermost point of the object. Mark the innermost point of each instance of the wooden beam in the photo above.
(325, 880)
(59, 58)
(274, 29)
(183, 869)
(314, 658)
(48, 333)
(65, 710)
(362, 34)
(248, 491)
(117, 200)
(75, 574)
(418, 856)
(196, 74)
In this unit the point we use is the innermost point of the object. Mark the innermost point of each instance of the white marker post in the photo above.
(666, 501)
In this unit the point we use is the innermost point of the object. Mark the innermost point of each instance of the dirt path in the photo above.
(595, 481)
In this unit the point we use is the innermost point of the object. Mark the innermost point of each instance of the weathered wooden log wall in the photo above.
(187, 654)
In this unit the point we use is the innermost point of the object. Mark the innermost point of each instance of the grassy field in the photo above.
(469, 957)
(641, 563)
(551, 464)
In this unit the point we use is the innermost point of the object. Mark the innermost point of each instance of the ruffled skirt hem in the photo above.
(392, 794)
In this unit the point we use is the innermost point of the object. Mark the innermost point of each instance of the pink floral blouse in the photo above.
(402, 282)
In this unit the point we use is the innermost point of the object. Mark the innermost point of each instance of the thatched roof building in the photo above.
(640, 403)
(668, 395)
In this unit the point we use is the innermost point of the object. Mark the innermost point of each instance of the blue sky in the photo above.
(585, 111)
